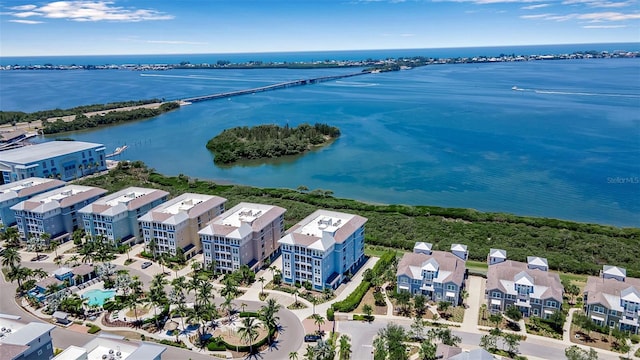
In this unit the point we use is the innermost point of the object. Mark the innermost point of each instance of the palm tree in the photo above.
(73, 259)
(12, 237)
(345, 348)
(157, 296)
(54, 246)
(318, 320)
(243, 306)
(314, 301)
(262, 280)
(52, 288)
(177, 298)
(135, 297)
(19, 273)
(293, 355)
(295, 294)
(11, 257)
(249, 331)
(153, 246)
(228, 305)
(268, 315)
(204, 293)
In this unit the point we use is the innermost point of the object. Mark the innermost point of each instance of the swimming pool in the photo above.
(98, 297)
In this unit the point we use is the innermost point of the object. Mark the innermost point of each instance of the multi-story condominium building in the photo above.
(20, 341)
(21, 190)
(115, 216)
(246, 234)
(175, 224)
(613, 299)
(438, 275)
(530, 287)
(323, 249)
(54, 212)
(112, 347)
(63, 160)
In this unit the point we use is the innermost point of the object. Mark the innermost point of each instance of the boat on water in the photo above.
(514, 88)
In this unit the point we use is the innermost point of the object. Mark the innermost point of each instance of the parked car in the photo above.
(146, 264)
(312, 338)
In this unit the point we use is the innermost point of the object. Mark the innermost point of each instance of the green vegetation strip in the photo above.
(13, 117)
(569, 246)
(268, 141)
(108, 118)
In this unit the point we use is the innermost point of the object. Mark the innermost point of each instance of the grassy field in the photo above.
(568, 246)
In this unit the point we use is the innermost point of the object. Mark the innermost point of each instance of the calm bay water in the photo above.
(565, 145)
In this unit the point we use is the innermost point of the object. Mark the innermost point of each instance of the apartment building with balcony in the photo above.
(438, 275)
(63, 160)
(323, 249)
(175, 224)
(54, 212)
(613, 299)
(528, 286)
(20, 341)
(21, 190)
(246, 234)
(115, 217)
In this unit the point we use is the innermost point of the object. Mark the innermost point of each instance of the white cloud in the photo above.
(84, 10)
(533, 7)
(175, 42)
(590, 17)
(29, 22)
(604, 26)
(407, 35)
(600, 3)
(608, 16)
(23, 7)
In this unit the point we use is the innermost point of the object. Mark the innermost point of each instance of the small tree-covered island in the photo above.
(269, 141)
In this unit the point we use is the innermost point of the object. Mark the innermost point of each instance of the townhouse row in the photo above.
(611, 299)
(322, 249)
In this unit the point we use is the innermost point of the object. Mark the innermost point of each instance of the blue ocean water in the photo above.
(566, 144)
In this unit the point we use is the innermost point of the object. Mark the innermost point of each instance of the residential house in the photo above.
(530, 287)
(175, 224)
(438, 275)
(323, 249)
(63, 160)
(613, 299)
(21, 190)
(246, 234)
(54, 212)
(115, 217)
(20, 341)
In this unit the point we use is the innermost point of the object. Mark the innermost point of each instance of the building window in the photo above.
(598, 309)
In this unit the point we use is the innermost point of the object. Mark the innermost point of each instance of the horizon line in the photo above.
(322, 50)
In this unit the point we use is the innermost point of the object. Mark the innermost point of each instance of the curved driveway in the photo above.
(291, 337)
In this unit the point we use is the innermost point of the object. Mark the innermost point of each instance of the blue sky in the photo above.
(29, 28)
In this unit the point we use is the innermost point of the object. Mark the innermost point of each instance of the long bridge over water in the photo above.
(271, 87)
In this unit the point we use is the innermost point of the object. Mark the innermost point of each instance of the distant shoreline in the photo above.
(389, 63)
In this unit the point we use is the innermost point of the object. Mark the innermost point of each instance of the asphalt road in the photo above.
(362, 335)
(291, 338)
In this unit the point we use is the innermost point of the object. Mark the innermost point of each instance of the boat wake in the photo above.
(556, 92)
(352, 84)
(196, 77)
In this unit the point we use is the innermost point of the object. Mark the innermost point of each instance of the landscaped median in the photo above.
(219, 344)
(353, 300)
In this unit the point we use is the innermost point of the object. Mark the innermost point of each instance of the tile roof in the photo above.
(609, 291)
(503, 276)
(450, 267)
